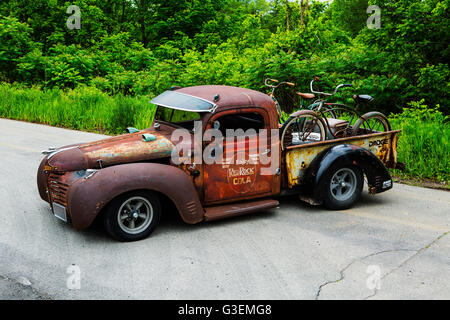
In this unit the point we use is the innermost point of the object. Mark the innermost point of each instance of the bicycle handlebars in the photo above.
(267, 83)
(316, 79)
(274, 84)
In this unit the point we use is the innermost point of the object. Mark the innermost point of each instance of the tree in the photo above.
(15, 42)
(350, 15)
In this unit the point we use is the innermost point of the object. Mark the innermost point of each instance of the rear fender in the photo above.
(378, 177)
(87, 197)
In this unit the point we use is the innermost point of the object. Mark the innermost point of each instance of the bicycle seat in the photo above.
(362, 98)
(307, 96)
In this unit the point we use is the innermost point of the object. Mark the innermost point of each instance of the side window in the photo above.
(244, 121)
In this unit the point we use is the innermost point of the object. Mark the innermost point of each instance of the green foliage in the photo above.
(424, 141)
(146, 46)
(350, 15)
(413, 43)
(15, 42)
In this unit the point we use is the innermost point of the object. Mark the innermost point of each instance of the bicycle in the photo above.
(329, 115)
(303, 127)
(373, 121)
(312, 127)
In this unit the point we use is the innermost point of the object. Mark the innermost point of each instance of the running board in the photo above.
(237, 209)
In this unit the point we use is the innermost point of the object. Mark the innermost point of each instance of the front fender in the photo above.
(378, 177)
(87, 197)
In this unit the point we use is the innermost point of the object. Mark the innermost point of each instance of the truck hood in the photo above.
(111, 151)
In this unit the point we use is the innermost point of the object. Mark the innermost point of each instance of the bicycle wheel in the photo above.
(339, 120)
(304, 126)
(371, 122)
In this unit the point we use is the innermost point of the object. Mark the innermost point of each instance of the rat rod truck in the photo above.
(127, 180)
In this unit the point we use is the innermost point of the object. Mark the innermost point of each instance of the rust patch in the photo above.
(298, 158)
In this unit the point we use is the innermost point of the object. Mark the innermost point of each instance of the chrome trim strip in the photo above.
(51, 154)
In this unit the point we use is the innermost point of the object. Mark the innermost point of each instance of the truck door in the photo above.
(238, 176)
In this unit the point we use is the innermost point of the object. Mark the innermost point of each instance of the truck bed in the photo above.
(299, 157)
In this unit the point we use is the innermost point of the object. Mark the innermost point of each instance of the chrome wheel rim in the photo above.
(343, 184)
(135, 215)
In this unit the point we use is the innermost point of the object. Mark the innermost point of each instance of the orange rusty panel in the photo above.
(130, 149)
(112, 151)
(231, 181)
(298, 158)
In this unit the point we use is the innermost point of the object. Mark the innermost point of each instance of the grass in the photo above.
(423, 144)
(84, 108)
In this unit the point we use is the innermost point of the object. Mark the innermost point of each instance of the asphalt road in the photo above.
(400, 238)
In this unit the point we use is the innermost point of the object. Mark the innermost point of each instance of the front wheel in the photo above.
(342, 187)
(132, 216)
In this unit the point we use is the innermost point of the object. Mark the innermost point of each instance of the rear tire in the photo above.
(342, 186)
(132, 216)
(371, 121)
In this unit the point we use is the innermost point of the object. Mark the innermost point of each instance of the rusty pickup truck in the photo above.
(128, 180)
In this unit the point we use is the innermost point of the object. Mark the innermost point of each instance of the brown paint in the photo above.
(232, 210)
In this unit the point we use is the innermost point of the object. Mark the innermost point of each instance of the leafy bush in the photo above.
(424, 141)
(15, 42)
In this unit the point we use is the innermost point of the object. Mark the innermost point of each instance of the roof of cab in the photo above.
(230, 96)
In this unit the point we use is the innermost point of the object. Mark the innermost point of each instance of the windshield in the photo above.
(181, 118)
(175, 116)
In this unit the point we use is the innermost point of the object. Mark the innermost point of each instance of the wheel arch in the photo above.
(377, 174)
(88, 197)
(165, 201)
